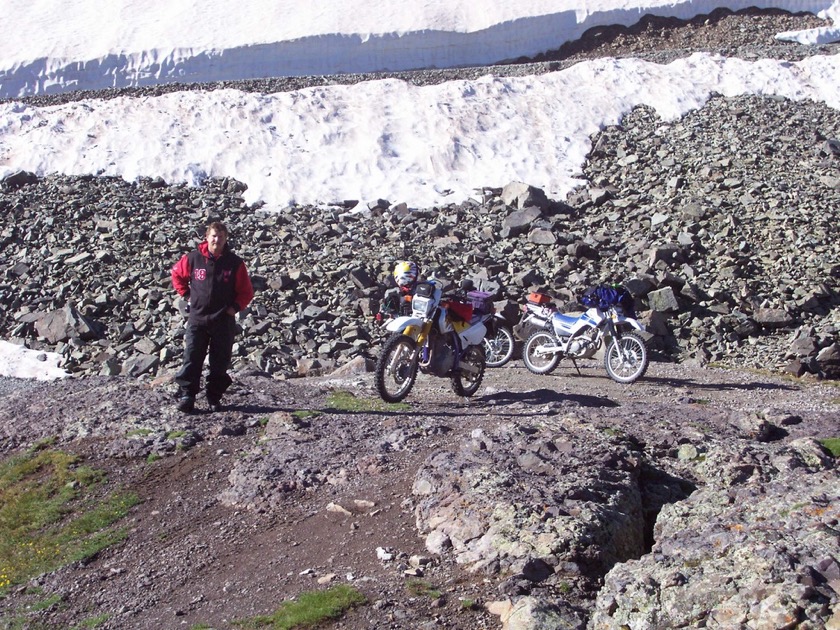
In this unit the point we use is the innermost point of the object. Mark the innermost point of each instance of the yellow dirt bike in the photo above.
(440, 337)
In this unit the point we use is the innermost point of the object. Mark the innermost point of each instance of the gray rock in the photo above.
(62, 324)
(733, 553)
(663, 300)
(521, 195)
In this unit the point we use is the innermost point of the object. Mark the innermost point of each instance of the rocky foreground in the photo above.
(698, 497)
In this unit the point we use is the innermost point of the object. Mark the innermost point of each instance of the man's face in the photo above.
(216, 242)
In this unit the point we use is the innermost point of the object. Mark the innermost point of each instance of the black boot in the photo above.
(186, 404)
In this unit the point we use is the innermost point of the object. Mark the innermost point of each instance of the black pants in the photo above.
(217, 337)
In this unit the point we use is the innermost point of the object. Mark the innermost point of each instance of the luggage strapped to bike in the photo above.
(540, 299)
(482, 301)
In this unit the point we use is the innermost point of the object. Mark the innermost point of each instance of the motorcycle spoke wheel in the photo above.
(466, 383)
(396, 368)
(626, 359)
(540, 361)
(499, 348)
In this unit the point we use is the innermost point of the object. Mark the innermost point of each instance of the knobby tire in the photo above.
(539, 364)
(402, 374)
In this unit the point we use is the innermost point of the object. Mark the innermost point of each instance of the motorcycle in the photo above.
(579, 337)
(499, 341)
(439, 337)
(536, 313)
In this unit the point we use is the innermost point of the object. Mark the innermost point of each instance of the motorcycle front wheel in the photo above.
(467, 381)
(626, 359)
(499, 348)
(537, 360)
(396, 368)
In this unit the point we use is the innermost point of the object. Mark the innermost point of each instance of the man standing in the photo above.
(217, 285)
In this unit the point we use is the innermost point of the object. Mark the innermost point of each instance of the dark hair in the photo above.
(218, 226)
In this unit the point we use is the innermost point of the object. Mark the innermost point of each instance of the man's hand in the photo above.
(231, 311)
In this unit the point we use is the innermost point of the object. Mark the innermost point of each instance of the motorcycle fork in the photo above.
(422, 342)
(613, 334)
(456, 342)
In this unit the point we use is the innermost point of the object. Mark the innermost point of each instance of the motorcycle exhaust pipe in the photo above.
(549, 349)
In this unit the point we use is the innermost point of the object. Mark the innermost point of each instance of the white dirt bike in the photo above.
(438, 338)
(580, 337)
(536, 314)
(499, 341)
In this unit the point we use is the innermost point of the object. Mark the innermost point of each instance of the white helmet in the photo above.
(405, 273)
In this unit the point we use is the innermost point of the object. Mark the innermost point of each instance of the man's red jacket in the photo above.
(212, 284)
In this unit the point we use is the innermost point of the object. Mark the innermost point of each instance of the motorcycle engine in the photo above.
(442, 358)
(582, 348)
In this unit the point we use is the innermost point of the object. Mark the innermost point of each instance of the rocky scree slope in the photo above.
(723, 225)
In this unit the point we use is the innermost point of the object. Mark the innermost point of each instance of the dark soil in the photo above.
(191, 559)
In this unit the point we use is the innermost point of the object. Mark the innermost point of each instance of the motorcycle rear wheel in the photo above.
(499, 348)
(396, 368)
(626, 359)
(466, 383)
(536, 361)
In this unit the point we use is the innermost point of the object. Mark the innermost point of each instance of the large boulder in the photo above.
(756, 547)
(521, 195)
(66, 323)
(582, 509)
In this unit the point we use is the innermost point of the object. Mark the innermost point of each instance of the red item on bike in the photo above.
(538, 298)
(460, 310)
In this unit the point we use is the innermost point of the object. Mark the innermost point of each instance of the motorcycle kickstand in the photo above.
(576, 366)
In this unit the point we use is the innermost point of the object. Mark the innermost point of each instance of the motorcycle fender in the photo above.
(630, 322)
(399, 324)
(474, 334)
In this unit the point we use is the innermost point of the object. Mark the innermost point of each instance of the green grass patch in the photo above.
(44, 604)
(152, 458)
(49, 516)
(421, 588)
(342, 400)
(309, 609)
(139, 433)
(174, 435)
(303, 414)
(93, 622)
(43, 443)
(833, 445)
